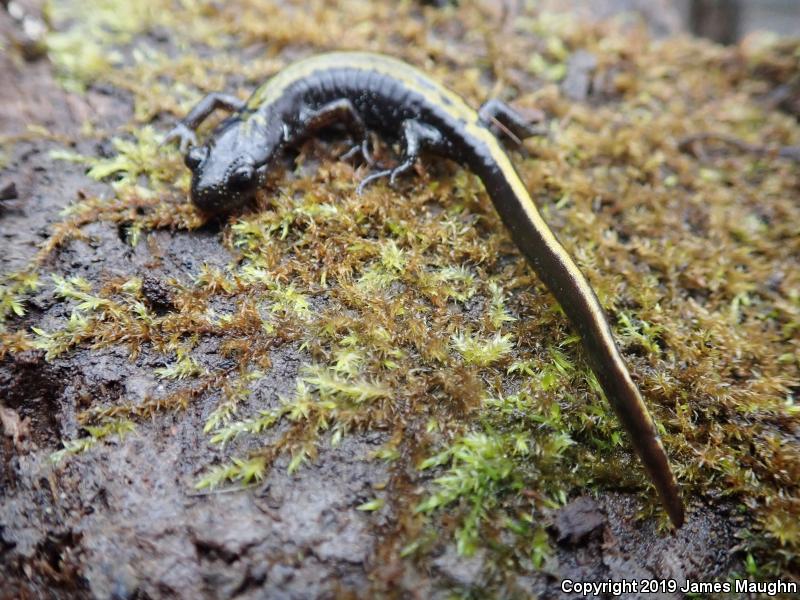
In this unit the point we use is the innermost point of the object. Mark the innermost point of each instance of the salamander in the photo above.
(371, 92)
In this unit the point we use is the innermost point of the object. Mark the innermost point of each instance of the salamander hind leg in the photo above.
(501, 119)
(416, 137)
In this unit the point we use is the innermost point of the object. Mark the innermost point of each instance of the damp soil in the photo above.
(124, 520)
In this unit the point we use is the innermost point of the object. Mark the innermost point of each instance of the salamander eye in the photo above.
(195, 157)
(242, 177)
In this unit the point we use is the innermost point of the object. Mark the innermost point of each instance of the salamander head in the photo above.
(228, 169)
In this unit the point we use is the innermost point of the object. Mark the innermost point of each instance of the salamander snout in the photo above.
(220, 186)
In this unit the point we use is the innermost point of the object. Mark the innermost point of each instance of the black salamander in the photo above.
(370, 92)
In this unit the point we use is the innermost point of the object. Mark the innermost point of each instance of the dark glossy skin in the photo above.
(371, 92)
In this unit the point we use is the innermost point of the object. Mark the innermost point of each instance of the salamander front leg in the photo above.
(184, 129)
(339, 111)
(416, 137)
(361, 148)
(502, 119)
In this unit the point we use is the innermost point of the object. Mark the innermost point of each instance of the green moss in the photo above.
(238, 471)
(481, 472)
(482, 352)
(97, 433)
(13, 289)
(412, 310)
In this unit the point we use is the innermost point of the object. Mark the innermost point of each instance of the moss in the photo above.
(414, 312)
(482, 353)
(13, 289)
(481, 472)
(238, 471)
(97, 433)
